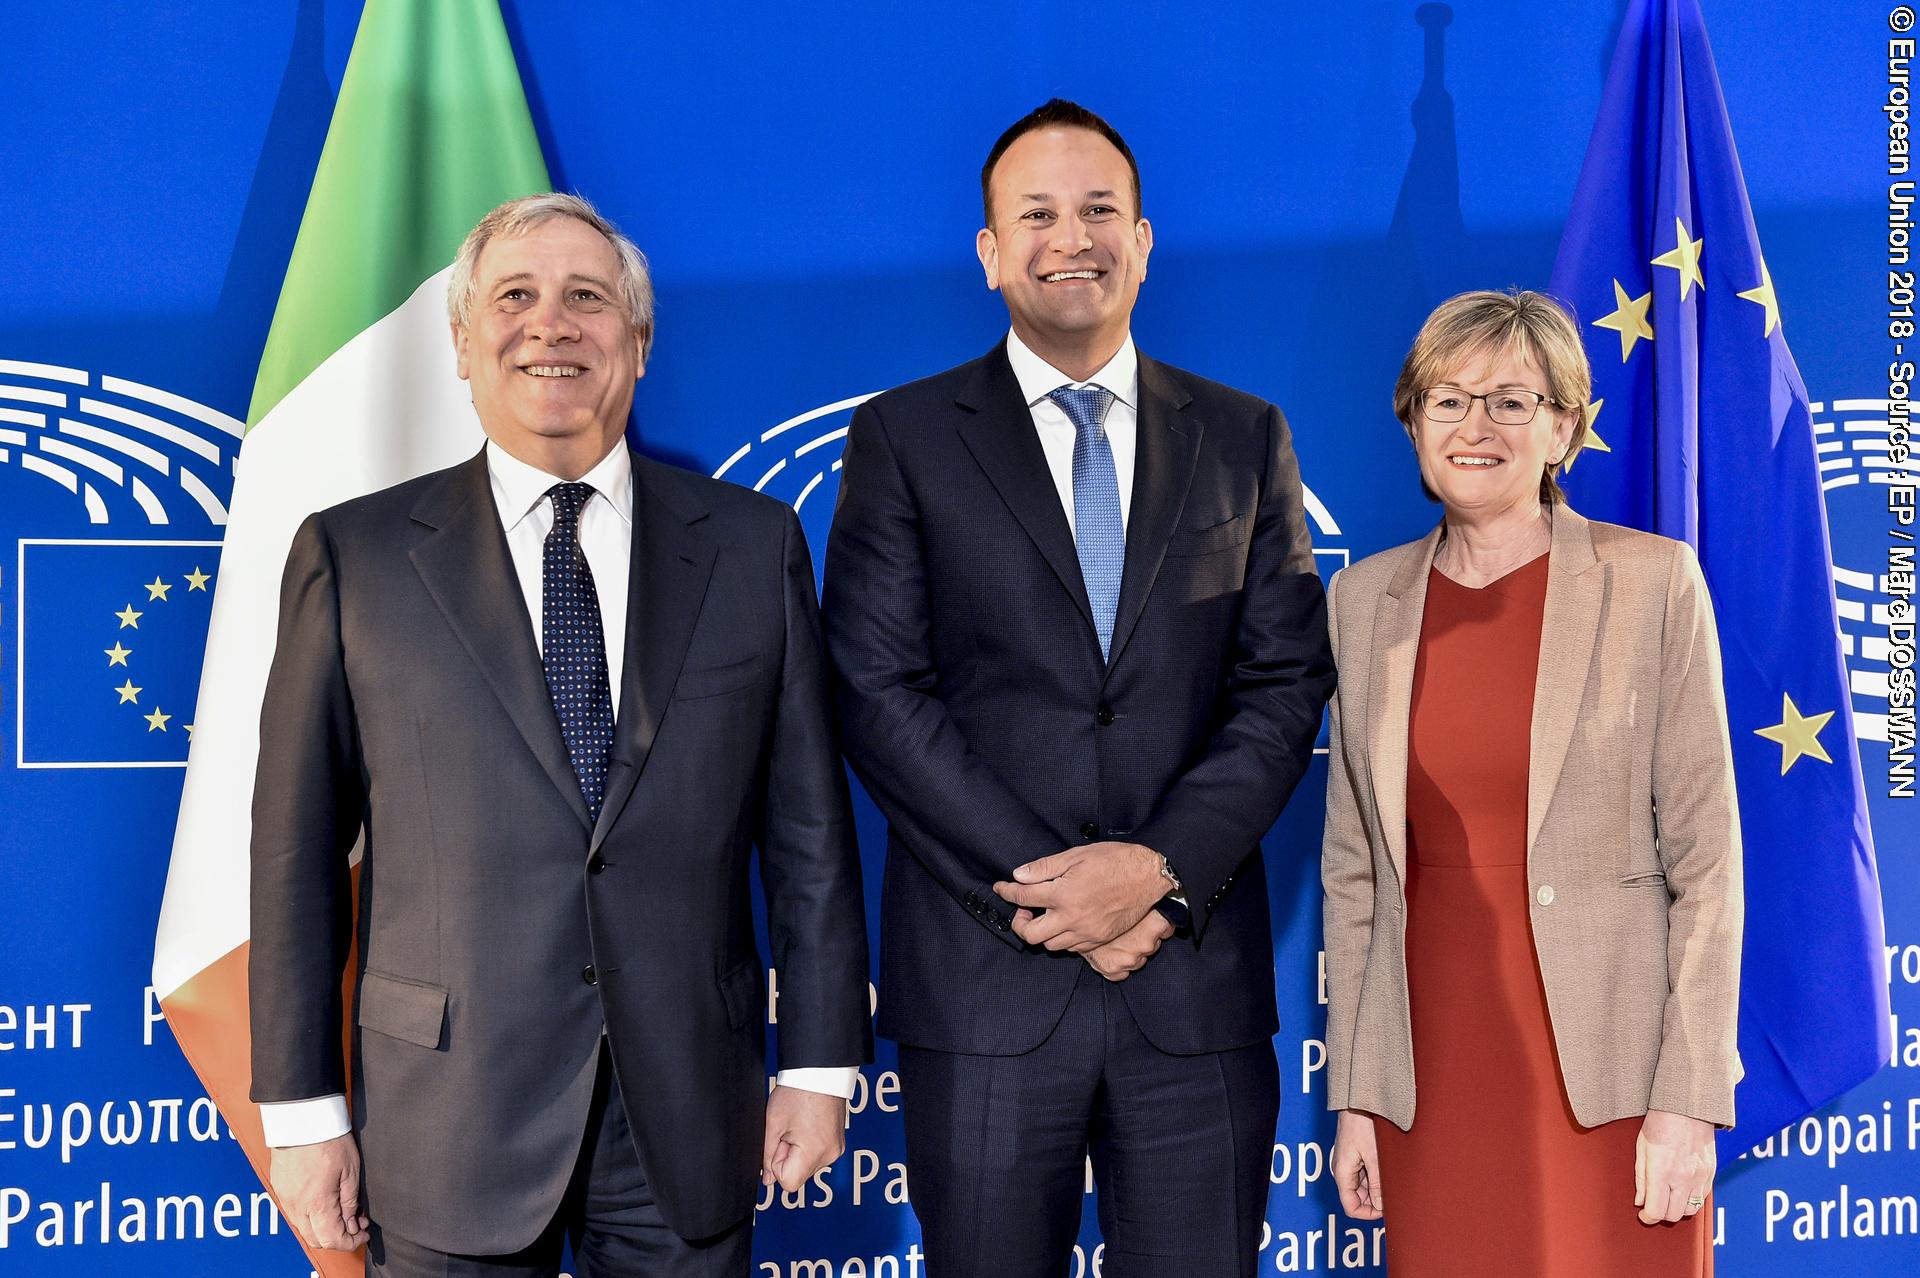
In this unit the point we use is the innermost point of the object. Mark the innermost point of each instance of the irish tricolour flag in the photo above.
(356, 392)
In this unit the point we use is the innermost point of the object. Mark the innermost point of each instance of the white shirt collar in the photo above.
(1120, 377)
(518, 487)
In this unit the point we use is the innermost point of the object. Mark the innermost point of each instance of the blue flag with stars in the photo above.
(1701, 432)
(111, 634)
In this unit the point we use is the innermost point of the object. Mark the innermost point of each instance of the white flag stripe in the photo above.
(383, 408)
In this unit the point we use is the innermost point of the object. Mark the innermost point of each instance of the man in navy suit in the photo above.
(1080, 655)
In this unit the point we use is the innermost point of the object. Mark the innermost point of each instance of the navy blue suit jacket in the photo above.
(976, 708)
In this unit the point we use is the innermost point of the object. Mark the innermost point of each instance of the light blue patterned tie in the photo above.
(1098, 534)
(572, 647)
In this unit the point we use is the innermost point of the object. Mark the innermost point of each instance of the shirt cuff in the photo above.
(828, 1080)
(304, 1122)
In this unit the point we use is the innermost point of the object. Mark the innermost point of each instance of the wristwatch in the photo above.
(1171, 907)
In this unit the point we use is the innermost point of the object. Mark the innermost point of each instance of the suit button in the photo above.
(1088, 830)
(1545, 894)
(590, 976)
(1103, 716)
(596, 863)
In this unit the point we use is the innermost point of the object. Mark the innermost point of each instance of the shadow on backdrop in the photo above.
(270, 221)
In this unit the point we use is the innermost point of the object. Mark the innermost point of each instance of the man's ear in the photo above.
(459, 348)
(987, 246)
(1143, 237)
(639, 353)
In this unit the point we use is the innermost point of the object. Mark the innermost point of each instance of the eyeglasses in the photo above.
(1507, 407)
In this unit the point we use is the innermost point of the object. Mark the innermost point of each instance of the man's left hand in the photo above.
(1091, 894)
(805, 1132)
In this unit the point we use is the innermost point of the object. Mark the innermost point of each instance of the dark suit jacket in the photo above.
(407, 696)
(975, 706)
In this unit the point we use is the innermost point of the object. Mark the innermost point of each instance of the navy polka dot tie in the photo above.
(573, 648)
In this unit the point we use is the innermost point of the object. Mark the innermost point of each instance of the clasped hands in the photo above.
(1098, 902)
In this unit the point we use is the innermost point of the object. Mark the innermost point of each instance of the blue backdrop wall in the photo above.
(804, 178)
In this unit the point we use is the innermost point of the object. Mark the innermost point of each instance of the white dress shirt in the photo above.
(1119, 378)
(606, 539)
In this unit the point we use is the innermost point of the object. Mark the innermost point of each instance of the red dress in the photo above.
(1496, 1177)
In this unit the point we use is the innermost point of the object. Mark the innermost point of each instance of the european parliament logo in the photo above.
(1856, 466)
(108, 631)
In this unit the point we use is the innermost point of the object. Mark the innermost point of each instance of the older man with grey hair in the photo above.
(562, 692)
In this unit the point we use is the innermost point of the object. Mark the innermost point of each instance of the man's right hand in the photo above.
(319, 1191)
(1128, 952)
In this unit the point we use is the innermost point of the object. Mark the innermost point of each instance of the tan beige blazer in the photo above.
(1633, 836)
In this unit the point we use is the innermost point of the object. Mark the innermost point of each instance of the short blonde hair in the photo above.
(1493, 325)
(517, 217)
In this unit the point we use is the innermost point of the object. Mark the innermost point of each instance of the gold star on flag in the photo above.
(1684, 257)
(128, 693)
(1629, 319)
(189, 728)
(116, 655)
(197, 580)
(1593, 440)
(1798, 734)
(128, 617)
(157, 722)
(157, 589)
(1762, 296)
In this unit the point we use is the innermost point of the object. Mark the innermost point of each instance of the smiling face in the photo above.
(1478, 467)
(1067, 249)
(549, 351)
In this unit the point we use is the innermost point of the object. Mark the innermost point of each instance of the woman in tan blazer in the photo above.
(1532, 860)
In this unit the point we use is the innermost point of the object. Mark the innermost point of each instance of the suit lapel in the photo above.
(1167, 448)
(468, 571)
(672, 564)
(1396, 648)
(999, 433)
(1569, 628)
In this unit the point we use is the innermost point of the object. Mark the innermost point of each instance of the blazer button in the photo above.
(590, 976)
(1103, 716)
(596, 863)
(1088, 830)
(1545, 894)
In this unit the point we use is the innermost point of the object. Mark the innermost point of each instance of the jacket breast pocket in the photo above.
(1206, 541)
(717, 681)
(410, 1011)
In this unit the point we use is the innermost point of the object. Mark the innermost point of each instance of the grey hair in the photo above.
(517, 217)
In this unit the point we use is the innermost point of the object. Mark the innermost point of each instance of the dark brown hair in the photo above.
(1055, 113)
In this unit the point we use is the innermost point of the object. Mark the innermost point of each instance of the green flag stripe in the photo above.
(431, 130)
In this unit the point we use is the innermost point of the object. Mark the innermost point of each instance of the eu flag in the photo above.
(1703, 434)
